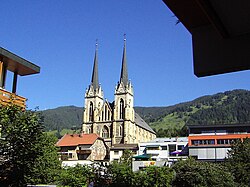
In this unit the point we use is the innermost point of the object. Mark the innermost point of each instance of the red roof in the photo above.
(77, 139)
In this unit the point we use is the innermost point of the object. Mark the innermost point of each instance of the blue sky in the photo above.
(59, 36)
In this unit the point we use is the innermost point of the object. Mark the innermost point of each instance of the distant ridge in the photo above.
(64, 117)
(228, 107)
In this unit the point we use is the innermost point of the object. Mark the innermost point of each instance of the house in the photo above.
(10, 62)
(160, 152)
(81, 147)
(164, 148)
(212, 142)
(117, 150)
(116, 122)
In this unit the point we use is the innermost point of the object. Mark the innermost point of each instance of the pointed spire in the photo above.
(95, 79)
(124, 71)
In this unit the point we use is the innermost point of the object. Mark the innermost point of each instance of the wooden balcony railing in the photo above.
(83, 151)
(11, 98)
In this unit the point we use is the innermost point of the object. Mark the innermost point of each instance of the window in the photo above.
(203, 142)
(122, 109)
(116, 152)
(153, 148)
(195, 142)
(88, 130)
(226, 141)
(120, 130)
(164, 147)
(106, 113)
(70, 155)
(172, 148)
(180, 147)
(105, 132)
(91, 112)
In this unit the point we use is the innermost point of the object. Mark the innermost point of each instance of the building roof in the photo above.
(124, 146)
(141, 123)
(173, 139)
(219, 125)
(77, 139)
(17, 64)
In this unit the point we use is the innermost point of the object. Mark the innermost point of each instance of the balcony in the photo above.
(10, 62)
(86, 151)
(7, 98)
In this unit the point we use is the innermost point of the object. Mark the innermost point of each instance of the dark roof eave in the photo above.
(219, 125)
(18, 64)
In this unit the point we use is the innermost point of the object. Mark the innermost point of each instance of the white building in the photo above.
(212, 142)
(161, 152)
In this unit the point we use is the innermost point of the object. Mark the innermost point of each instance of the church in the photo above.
(116, 122)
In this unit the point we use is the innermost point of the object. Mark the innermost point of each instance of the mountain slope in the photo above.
(62, 118)
(228, 107)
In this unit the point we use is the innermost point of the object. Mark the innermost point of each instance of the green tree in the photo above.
(21, 133)
(201, 174)
(126, 157)
(121, 173)
(27, 155)
(238, 161)
(47, 165)
(77, 176)
(153, 177)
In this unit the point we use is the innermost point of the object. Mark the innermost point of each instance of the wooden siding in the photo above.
(11, 98)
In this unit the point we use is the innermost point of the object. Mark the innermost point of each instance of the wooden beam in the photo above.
(14, 86)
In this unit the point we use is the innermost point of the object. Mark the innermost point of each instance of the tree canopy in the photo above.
(238, 161)
(26, 153)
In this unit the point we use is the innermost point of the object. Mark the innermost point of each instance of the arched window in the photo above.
(89, 130)
(120, 130)
(91, 112)
(122, 109)
(105, 113)
(105, 132)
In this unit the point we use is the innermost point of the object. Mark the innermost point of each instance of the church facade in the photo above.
(116, 122)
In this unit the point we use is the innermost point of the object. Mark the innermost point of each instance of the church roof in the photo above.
(77, 139)
(124, 71)
(95, 79)
(141, 123)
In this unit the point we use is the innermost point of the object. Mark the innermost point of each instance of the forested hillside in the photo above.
(228, 107)
(62, 118)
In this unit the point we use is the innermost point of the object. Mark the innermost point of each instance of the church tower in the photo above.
(116, 122)
(123, 119)
(93, 101)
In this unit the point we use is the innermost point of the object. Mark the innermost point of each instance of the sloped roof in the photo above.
(141, 123)
(77, 139)
(124, 146)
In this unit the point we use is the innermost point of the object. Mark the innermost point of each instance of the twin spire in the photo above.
(124, 70)
(95, 78)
